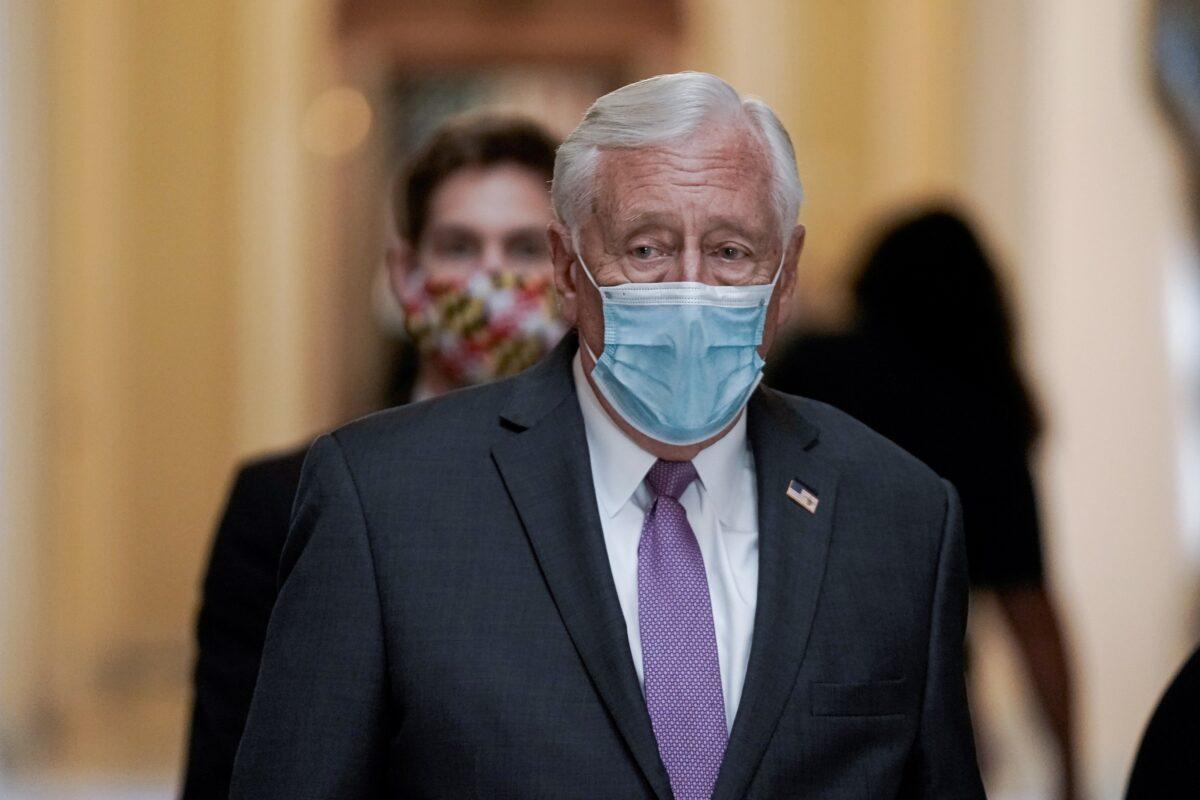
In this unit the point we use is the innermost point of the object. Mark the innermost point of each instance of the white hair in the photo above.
(660, 110)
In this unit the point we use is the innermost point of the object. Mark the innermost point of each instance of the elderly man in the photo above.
(629, 571)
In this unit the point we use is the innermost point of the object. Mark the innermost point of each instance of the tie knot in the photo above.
(670, 478)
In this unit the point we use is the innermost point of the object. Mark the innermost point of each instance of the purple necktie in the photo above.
(681, 672)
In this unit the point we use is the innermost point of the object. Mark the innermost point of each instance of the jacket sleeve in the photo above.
(942, 763)
(317, 725)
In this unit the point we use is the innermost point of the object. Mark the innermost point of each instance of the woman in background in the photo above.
(931, 365)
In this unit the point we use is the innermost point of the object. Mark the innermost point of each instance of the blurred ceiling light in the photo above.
(336, 122)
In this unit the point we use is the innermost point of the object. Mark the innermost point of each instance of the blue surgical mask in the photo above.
(681, 359)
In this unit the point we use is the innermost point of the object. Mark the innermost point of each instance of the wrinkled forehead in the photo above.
(723, 168)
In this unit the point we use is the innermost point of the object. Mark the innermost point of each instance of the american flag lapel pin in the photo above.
(802, 496)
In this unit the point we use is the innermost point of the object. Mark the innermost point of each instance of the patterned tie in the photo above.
(679, 646)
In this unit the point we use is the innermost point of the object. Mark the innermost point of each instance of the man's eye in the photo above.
(528, 249)
(455, 248)
(731, 253)
(645, 251)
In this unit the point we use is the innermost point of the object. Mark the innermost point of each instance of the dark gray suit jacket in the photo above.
(447, 624)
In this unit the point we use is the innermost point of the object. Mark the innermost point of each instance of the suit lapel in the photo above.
(793, 545)
(544, 464)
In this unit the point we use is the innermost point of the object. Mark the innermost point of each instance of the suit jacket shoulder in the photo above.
(455, 422)
(863, 454)
(445, 437)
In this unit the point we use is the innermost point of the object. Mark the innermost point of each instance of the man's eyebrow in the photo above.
(640, 219)
(751, 231)
(637, 220)
(526, 231)
(452, 229)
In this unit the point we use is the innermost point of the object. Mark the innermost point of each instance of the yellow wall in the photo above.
(140, 271)
(176, 267)
(23, 351)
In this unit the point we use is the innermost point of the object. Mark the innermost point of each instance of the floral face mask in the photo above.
(474, 329)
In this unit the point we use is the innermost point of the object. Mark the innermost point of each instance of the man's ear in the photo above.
(401, 263)
(787, 278)
(562, 256)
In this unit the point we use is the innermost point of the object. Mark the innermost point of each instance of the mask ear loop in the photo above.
(767, 302)
(579, 258)
(779, 269)
(588, 273)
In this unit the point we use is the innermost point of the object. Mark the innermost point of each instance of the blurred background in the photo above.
(193, 212)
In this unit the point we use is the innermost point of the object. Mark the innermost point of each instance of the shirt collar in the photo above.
(619, 465)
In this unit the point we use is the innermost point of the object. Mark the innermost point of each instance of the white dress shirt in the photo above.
(722, 508)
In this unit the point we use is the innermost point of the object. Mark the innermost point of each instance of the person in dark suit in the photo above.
(930, 364)
(629, 571)
(473, 274)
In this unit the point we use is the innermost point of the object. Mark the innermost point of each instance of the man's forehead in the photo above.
(725, 146)
(637, 186)
(501, 195)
